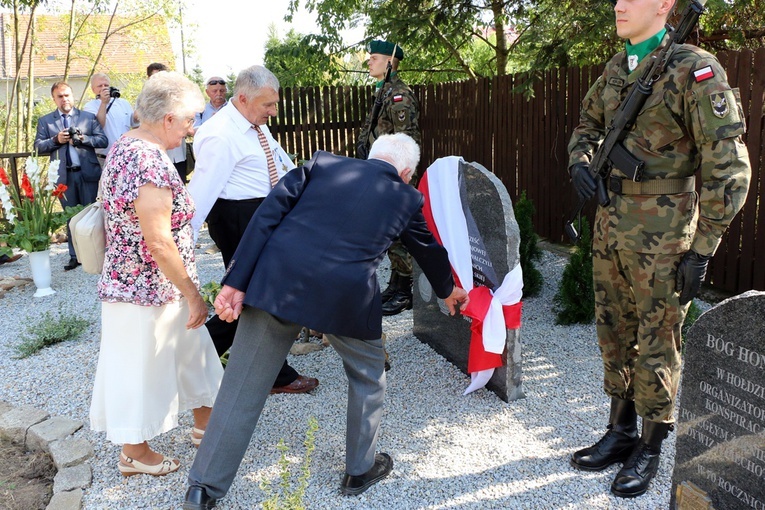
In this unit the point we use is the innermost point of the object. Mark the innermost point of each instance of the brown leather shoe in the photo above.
(302, 384)
(5, 259)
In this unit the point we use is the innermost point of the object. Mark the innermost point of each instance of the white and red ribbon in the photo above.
(492, 313)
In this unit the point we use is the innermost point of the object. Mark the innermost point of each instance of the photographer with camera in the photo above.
(113, 113)
(71, 136)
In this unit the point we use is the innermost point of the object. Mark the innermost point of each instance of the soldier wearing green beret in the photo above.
(399, 113)
(652, 243)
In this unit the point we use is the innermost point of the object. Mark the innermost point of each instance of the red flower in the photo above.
(59, 191)
(26, 187)
(4, 177)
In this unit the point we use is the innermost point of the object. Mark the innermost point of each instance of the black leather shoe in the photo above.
(353, 485)
(400, 301)
(618, 442)
(197, 499)
(71, 264)
(633, 478)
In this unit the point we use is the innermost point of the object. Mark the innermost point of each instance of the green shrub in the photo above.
(287, 497)
(575, 300)
(529, 251)
(50, 330)
(693, 313)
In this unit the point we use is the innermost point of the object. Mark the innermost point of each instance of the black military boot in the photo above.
(391, 289)
(633, 478)
(402, 298)
(618, 442)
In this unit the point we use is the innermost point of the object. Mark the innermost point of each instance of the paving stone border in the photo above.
(38, 431)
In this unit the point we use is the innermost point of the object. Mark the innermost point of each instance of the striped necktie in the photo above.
(273, 176)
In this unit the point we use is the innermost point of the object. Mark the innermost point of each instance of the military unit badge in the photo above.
(402, 115)
(719, 105)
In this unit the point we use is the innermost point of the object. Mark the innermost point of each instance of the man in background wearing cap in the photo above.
(400, 113)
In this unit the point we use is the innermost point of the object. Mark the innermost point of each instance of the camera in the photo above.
(114, 92)
(76, 135)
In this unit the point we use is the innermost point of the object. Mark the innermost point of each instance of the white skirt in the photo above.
(150, 368)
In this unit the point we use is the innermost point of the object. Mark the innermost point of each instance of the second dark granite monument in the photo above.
(493, 256)
(720, 459)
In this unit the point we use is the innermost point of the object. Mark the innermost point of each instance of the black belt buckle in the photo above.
(73, 169)
(615, 184)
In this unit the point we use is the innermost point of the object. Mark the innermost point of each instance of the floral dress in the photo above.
(130, 273)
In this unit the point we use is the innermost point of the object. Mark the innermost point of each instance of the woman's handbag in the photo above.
(89, 236)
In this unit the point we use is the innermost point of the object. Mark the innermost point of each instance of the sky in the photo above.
(230, 35)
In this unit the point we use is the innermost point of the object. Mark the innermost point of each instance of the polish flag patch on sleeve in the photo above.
(398, 98)
(703, 74)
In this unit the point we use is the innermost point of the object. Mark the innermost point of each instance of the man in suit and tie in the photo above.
(352, 209)
(71, 136)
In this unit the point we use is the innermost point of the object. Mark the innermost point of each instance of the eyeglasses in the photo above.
(216, 82)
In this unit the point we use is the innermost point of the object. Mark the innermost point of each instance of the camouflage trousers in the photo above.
(400, 260)
(639, 318)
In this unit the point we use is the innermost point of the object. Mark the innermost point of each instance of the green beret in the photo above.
(385, 48)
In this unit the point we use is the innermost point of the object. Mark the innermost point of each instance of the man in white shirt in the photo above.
(216, 91)
(237, 164)
(113, 113)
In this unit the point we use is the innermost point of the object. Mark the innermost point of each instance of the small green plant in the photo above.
(50, 330)
(288, 497)
(575, 300)
(210, 291)
(529, 251)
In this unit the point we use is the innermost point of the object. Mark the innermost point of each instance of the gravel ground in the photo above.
(449, 450)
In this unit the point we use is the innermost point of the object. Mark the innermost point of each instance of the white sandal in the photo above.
(196, 441)
(130, 467)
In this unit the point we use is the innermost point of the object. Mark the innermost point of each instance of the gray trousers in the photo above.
(260, 347)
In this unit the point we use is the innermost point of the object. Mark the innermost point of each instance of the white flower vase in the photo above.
(39, 262)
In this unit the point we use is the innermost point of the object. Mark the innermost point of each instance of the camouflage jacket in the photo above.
(691, 125)
(400, 113)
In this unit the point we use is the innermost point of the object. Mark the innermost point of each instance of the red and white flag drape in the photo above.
(491, 312)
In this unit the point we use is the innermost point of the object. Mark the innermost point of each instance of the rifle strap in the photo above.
(652, 187)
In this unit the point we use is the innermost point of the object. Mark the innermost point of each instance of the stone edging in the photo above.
(37, 431)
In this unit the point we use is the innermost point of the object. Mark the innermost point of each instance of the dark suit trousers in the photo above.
(260, 343)
(227, 221)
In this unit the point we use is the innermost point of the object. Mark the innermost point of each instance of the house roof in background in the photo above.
(128, 50)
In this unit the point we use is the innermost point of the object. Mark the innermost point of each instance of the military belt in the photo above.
(652, 186)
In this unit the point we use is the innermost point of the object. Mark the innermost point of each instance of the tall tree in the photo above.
(443, 37)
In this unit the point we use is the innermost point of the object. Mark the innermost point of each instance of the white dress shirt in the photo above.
(230, 162)
(119, 119)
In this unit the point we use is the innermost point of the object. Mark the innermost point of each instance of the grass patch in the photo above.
(50, 329)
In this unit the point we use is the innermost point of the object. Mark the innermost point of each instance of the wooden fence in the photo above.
(523, 140)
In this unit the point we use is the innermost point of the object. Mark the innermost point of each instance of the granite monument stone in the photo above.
(494, 253)
(720, 458)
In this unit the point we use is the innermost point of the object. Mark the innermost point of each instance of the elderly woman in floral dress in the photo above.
(156, 360)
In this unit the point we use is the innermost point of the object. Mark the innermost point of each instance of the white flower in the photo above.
(5, 198)
(52, 174)
(10, 216)
(33, 172)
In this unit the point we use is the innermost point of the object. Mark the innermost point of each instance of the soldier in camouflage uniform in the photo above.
(399, 113)
(652, 243)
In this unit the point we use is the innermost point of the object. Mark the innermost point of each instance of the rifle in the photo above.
(611, 152)
(362, 151)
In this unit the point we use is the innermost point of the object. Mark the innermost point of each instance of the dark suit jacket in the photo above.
(93, 137)
(311, 251)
